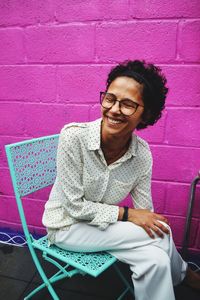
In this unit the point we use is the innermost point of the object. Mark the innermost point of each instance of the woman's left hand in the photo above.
(149, 221)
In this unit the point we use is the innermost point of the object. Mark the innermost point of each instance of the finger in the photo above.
(148, 231)
(161, 226)
(157, 231)
(161, 218)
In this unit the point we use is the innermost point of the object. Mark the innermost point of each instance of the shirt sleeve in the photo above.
(70, 181)
(141, 194)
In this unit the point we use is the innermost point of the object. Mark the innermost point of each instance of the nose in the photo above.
(116, 107)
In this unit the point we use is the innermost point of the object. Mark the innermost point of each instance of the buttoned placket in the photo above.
(109, 168)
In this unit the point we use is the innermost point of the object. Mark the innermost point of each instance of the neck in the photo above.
(113, 149)
(115, 142)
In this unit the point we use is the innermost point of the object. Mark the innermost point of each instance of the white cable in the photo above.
(16, 240)
(6, 243)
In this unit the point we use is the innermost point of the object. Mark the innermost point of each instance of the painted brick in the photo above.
(95, 112)
(6, 187)
(11, 121)
(7, 227)
(100, 32)
(67, 11)
(189, 41)
(81, 84)
(155, 133)
(49, 119)
(8, 209)
(54, 44)
(165, 8)
(18, 228)
(184, 85)
(32, 83)
(177, 200)
(11, 49)
(177, 225)
(3, 208)
(17, 12)
(158, 196)
(183, 127)
(6, 140)
(126, 202)
(136, 40)
(175, 163)
(42, 194)
(37, 230)
(34, 210)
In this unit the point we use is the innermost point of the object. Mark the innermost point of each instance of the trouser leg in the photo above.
(151, 273)
(178, 266)
(155, 263)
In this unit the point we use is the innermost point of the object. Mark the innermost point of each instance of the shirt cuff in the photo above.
(108, 216)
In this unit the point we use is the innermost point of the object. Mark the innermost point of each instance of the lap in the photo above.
(117, 236)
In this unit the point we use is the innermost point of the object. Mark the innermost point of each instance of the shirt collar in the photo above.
(94, 138)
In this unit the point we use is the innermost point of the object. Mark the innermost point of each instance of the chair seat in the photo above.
(91, 263)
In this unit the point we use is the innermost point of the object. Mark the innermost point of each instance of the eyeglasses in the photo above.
(127, 107)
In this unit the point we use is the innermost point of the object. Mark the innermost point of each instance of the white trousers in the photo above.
(155, 263)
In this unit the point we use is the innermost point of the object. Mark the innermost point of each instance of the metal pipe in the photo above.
(184, 250)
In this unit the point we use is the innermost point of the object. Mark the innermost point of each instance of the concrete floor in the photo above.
(18, 277)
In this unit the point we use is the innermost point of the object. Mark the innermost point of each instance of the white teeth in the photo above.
(114, 121)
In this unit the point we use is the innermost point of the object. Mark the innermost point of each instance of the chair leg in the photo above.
(123, 294)
(53, 279)
(50, 288)
(46, 281)
(129, 287)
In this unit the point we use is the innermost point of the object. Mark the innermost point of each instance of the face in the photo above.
(114, 122)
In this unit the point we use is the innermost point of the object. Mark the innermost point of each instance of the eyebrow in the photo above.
(123, 98)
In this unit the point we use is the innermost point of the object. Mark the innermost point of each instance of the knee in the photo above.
(166, 225)
(164, 243)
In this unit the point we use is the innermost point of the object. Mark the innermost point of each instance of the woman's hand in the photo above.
(149, 221)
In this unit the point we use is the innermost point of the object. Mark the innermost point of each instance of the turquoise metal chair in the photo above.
(32, 166)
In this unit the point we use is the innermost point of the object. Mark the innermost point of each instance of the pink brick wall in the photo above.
(54, 57)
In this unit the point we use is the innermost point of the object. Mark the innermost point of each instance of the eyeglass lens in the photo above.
(127, 107)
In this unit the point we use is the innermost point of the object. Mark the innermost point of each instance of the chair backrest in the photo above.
(32, 166)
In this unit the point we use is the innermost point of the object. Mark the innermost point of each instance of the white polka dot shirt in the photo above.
(86, 189)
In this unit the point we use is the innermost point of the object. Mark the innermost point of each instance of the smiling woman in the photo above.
(98, 164)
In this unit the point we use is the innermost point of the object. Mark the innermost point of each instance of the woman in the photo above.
(98, 164)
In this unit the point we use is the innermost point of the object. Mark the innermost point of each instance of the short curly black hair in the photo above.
(154, 87)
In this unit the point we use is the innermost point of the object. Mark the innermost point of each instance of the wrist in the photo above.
(121, 212)
(125, 214)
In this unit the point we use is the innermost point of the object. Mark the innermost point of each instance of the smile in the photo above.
(114, 121)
